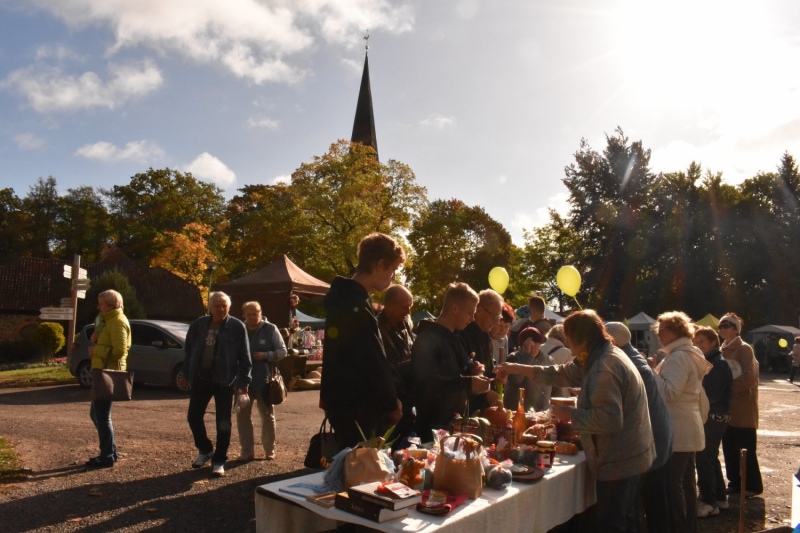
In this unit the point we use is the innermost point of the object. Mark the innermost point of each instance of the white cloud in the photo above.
(249, 37)
(353, 66)
(263, 122)
(59, 52)
(209, 168)
(49, 89)
(437, 121)
(28, 141)
(140, 151)
(502, 179)
(541, 216)
(286, 178)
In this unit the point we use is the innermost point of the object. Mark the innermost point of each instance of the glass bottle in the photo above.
(520, 422)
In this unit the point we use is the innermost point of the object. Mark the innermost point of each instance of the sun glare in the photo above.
(683, 50)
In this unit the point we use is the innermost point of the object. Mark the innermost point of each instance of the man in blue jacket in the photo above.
(217, 360)
(653, 482)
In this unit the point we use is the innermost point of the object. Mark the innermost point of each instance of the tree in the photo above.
(83, 224)
(184, 253)
(47, 338)
(608, 194)
(266, 221)
(347, 194)
(320, 217)
(546, 250)
(160, 201)
(13, 226)
(454, 242)
(112, 279)
(42, 205)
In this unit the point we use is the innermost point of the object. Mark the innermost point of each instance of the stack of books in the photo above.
(390, 504)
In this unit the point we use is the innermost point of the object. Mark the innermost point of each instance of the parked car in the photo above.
(156, 354)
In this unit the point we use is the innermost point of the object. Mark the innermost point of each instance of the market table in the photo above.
(566, 490)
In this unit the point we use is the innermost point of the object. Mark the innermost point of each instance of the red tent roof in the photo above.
(281, 275)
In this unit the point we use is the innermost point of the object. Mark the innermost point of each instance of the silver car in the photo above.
(156, 354)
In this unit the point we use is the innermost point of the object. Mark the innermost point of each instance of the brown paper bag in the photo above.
(460, 476)
(364, 465)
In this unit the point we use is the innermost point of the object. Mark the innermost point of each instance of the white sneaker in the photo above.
(704, 510)
(202, 458)
(218, 470)
(723, 504)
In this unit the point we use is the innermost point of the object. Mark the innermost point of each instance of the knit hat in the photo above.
(733, 322)
(530, 333)
(619, 332)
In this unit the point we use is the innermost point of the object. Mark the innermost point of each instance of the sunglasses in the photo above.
(723, 325)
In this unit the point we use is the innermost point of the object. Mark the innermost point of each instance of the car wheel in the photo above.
(178, 372)
(85, 374)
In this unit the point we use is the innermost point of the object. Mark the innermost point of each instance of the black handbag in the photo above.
(111, 385)
(322, 447)
(276, 389)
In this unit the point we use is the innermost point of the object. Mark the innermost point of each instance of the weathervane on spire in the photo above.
(366, 41)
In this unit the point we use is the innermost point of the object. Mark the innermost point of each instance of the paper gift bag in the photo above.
(364, 465)
(458, 475)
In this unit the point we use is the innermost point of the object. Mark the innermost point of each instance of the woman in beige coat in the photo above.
(679, 378)
(741, 432)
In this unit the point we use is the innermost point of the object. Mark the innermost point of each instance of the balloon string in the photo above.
(577, 302)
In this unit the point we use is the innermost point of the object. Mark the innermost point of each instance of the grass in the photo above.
(11, 469)
(27, 376)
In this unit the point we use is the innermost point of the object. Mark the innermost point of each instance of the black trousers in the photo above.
(735, 439)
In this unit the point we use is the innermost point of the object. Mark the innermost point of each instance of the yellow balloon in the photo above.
(782, 343)
(569, 280)
(498, 279)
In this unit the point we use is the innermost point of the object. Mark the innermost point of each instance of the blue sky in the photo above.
(486, 101)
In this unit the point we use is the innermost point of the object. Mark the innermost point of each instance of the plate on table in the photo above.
(434, 510)
(535, 474)
(519, 469)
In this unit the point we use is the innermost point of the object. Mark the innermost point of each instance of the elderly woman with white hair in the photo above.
(110, 351)
(741, 432)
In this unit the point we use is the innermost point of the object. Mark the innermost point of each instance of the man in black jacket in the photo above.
(358, 384)
(444, 375)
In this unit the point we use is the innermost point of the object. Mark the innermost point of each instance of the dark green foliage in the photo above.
(48, 338)
(17, 351)
(112, 279)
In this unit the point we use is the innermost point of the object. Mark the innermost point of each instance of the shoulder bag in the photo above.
(276, 389)
(322, 447)
(111, 385)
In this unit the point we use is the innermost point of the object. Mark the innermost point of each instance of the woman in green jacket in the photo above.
(110, 351)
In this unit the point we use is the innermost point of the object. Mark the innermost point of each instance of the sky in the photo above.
(486, 101)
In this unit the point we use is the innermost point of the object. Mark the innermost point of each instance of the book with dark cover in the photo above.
(368, 492)
(366, 510)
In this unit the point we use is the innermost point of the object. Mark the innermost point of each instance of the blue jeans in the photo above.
(100, 413)
(202, 392)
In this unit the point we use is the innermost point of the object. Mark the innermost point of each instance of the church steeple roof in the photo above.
(364, 123)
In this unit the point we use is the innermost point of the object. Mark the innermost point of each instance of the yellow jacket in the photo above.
(113, 342)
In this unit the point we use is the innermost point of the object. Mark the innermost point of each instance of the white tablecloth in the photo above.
(566, 490)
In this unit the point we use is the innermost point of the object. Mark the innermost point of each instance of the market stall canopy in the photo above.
(420, 315)
(553, 316)
(271, 286)
(780, 330)
(710, 321)
(307, 320)
(640, 322)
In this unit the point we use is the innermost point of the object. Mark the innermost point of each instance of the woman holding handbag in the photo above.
(267, 348)
(110, 351)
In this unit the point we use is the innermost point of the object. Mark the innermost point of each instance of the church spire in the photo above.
(364, 123)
